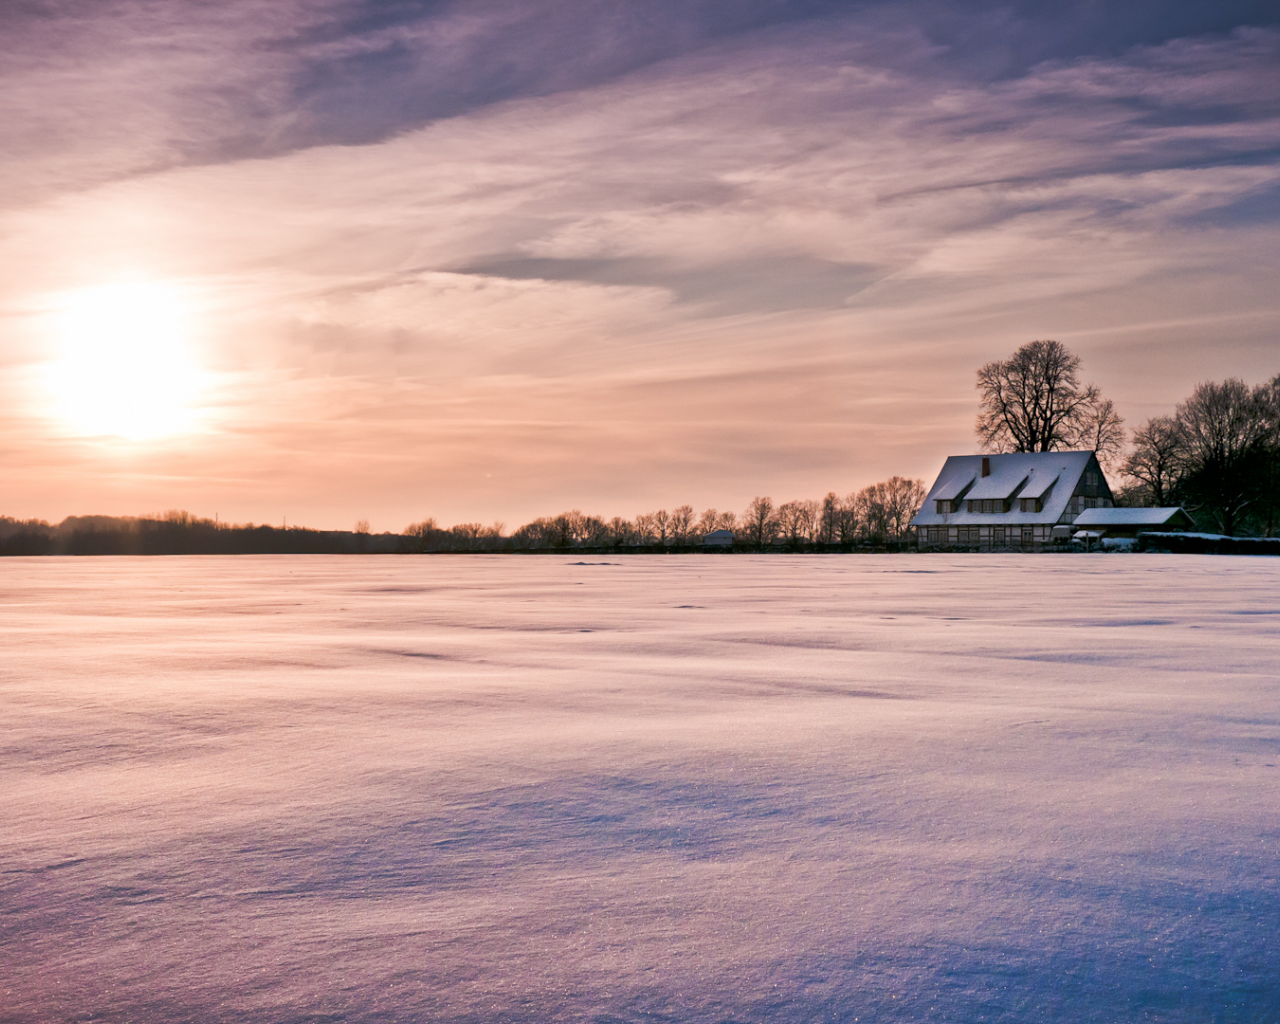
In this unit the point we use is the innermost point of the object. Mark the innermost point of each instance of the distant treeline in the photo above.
(179, 533)
(877, 517)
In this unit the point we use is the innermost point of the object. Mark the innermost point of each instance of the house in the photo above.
(718, 539)
(1017, 501)
(1119, 527)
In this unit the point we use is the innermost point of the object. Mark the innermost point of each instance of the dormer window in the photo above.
(1031, 505)
(944, 506)
(987, 505)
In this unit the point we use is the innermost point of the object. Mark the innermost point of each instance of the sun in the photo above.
(125, 365)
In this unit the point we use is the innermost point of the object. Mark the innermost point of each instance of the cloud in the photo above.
(795, 243)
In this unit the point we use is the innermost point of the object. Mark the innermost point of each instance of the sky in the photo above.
(325, 260)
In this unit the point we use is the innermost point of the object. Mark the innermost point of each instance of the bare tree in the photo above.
(621, 531)
(645, 528)
(1269, 511)
(537, 534)
(1158, 458)
(869, 507)
(849, 521)
(759, 522)
(595, 532)
(708, 521)
(1227, 434)
(797, 521)
(1034, 402)
(662, 524)
(568, 529)
(787, 516)
(807, 519)
(727, 521)
(426, 535)
(902, 499)
(682, 524)
(1101, 431)
(829, 518)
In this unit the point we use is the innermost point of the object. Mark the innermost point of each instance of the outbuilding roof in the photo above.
(1129, 517)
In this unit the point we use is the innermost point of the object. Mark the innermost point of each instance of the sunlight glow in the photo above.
(125, 366)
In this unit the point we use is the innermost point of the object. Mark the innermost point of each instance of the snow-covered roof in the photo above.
(1004, 480)
(1038, 484)
(1093, 517)
(953, 486)
(1049, 476)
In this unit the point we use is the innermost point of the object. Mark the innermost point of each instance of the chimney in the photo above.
(986, 466)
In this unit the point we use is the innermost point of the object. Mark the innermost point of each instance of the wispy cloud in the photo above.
(726, 263)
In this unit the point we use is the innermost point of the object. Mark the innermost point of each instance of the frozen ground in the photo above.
(844, 788)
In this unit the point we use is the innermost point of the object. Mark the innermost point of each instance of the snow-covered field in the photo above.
(468, 788)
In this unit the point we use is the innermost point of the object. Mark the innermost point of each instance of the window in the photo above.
(944, 506)
(1028, 536)
(1031, 505)
(997, 536)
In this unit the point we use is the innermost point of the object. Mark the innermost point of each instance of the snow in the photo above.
(688, 788)
(1182, 534)
(1128, 516)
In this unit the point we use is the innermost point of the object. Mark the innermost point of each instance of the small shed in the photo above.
(718, 539)
(1127, 523)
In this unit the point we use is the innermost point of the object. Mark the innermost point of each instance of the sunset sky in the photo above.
(332, 259)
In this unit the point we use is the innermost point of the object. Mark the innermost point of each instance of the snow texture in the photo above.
(704, 788)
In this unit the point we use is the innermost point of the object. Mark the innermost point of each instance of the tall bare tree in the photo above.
(1158, 458)
(1034, 402)
(1227, 434)
(662, 525)
(901, 499)
(829, 518)
(759, 522)
(869, 509)
(645, 528)
(682, 524)
(848, 522)
(1101, 431)
(797, 520)
(620, 531)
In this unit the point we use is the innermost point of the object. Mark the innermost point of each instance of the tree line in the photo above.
(878, 515)
(1217, 454)
(180, 533)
